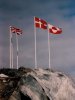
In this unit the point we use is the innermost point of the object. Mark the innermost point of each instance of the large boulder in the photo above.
(38, 84)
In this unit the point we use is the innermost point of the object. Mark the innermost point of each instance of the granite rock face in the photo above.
(36, 84)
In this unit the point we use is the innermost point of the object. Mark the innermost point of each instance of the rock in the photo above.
(3, 75)
(39, 84)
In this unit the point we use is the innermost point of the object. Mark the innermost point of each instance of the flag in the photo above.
(54, 30)
(13, 29)
(40, 23)
(16, 30)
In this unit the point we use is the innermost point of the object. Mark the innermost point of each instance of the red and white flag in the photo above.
(16, 30)
(54, 30)
(40, 23)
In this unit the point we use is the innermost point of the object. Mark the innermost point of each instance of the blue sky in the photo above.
(20, 13)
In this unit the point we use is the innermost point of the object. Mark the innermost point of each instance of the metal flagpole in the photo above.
(10, 48)
(35, 44)
(11, 53)
(49, 48)
(17, 48)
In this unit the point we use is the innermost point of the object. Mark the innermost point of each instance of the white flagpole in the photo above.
(12, 53)
(17, 48)
(49, 48)
(10, 46)
(35, 44)
(11, 50)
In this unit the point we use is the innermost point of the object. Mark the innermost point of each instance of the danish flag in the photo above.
(40, 23)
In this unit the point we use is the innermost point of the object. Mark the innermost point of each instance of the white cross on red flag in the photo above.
(40, 23)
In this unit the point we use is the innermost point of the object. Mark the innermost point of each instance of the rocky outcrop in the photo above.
(36, 84)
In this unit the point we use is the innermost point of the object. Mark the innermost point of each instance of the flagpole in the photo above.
(17, 48)
(10, 47)
(49, 49)
(35, 44)
(11, 53)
